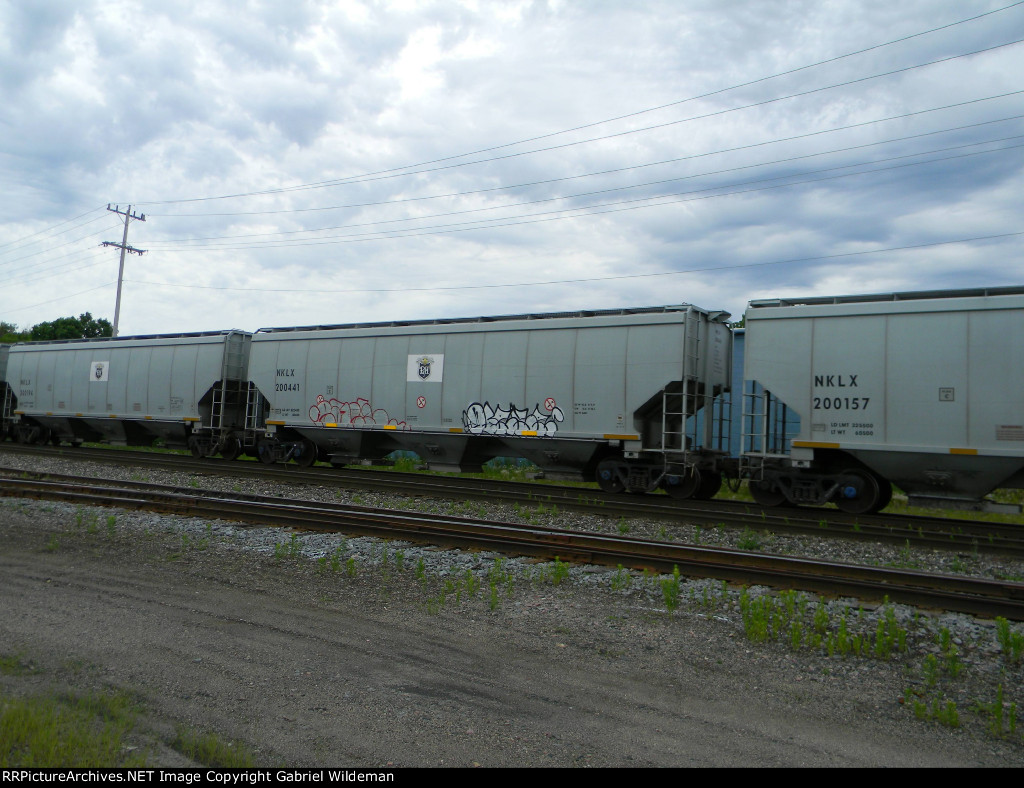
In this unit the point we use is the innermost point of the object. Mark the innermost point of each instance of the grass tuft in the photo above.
(209, 749)
(68, 731)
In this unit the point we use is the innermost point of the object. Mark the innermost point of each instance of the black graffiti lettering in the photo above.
(485, 419)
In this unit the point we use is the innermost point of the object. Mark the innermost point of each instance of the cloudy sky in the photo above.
(332, 161)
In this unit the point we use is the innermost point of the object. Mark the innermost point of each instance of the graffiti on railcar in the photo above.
(357, 413)
(486, 419)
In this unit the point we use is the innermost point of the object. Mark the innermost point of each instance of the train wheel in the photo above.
(55, 439)
(859, 493)
(195, 448)
(28, 434)
(885, 492)
(232, 448)
(305, 453)
(710, 484)
(765, 493)
(265, 450)
(683, 486)
(608, 477)
(40, 436)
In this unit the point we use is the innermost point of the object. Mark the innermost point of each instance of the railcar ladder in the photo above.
(7, 407)
(227, 397)
(676, 406)
(254, 403)
(217, 408)
(673, 420)
(766, 429)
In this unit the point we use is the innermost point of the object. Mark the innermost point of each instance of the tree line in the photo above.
(85, 326)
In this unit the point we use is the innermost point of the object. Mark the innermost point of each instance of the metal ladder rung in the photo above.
(253, 409)
(217, 409)
(5, 411)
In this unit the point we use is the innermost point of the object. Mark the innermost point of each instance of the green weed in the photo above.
(291, 549)
(67, 731)
(1012, 643)
(1002, 716)
(13, 665)
(622, 579)
(558, 572)
(748, 540)
(670, 590)
(472, 583)
(943, 713)
(889, 636)
(209, 750)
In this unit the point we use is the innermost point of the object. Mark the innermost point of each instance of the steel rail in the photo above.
(928, 532)
(962, 594)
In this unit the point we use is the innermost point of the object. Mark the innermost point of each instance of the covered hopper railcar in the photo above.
(186, 389)
(616, 395)
(846, 396)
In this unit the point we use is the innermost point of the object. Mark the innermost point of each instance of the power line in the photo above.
(392, 173)
(439, 288)
(592, 210)
(58, 246)
(31, 273)
(623, 169)
(62, 298)
(59, 224)
(505, 206)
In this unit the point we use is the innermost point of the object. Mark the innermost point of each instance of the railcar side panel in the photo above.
(995, 415)
(549, 379)
(462, 377)
(928, 366)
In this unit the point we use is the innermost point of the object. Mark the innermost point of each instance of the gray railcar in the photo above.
(188, 389)
(620, 395)
(846, 396)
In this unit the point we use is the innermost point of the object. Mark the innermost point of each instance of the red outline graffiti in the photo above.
(357, 413)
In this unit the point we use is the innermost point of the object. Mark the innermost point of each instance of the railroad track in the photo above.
(968, 595)
(949, 534)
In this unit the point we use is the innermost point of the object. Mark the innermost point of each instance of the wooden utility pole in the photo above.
(124, 247)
